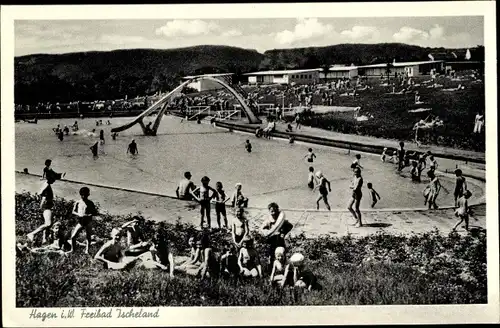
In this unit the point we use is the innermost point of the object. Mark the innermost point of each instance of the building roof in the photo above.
(283, 72)
(402, 64)
(342, 68)
(209, 75)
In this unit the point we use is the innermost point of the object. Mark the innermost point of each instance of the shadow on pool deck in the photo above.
(312, 224)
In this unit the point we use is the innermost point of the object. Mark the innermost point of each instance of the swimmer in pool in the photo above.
(310, 155)
(132, 148)
(311, 178)
(322, 185)
(248, 146)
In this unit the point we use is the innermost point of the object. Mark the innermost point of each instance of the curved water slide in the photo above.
(252, 118)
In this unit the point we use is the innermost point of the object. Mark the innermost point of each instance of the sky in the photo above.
(64, 36)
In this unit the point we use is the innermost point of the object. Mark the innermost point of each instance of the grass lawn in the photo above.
(428, 268)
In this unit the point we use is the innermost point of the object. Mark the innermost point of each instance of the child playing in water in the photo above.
(206, 194)
(95, 149)
(84, 210)
(132, 148)
(356, 161)
(220, 204)
(433, 162)
(240, 229)
(277, 273)
(311, 179)
(373, 193)
(323, 192)
(433, 190)
(310, 155)
(463, 211)
(401, 156)
(248, 146)
(460, 186)
(384, 154)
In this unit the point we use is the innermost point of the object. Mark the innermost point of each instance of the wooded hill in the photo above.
(115, 74)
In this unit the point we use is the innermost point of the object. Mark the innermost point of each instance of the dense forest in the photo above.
(87, 76)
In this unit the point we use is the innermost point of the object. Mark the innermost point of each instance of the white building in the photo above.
(298, 76)
(339, 72)
(405, 68)
(206, 85)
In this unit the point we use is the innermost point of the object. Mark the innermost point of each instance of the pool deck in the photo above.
(312, 223)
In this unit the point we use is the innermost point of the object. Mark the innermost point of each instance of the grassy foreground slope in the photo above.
(380, 269)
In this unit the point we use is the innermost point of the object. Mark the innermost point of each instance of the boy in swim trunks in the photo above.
(310, 155)
(206, 194)
(240, 227)
(46, 204)
(373, 193)
(356, 161)
(463, 211)
(322, 185)
(84, 210)
(132, 148)
(220, 204)
(186, 186)
(249, 260)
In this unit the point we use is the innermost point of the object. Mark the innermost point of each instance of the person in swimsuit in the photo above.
(463, 210)
(310, 155)
(59, 243)
(95, 149)
(209, 265)
(311, 178)
(206, 194)
(356, 161)
(84, 210)
(249, 260)
(373, 193)
(112, 253)
(421, 164)
(238, 199)
(132, 148)
(357, 184)
(220, 204)
(229, 267)
(248, 146)
(240, 227)
(186, 186)
(384, 155)
(460, 185)
(432, 190)
(133, 230)
(415, 172)
(300, 277)
(401, 156)
(193, 254)
(275, 236)
(278, 271)
(46, 205)
(322, 186)
(48, 172)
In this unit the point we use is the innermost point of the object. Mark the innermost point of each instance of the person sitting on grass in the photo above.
(240, 229)
(59, 245)
(275, 228)
(238, 199)
(134, 232)
(463, 211)
(249, 261)
(189, 263)
(277, 273)
(302, 278)
(84, 210)
(112, 253)
(159, 255)
(209, 267)
(229, 267)
(46, 205)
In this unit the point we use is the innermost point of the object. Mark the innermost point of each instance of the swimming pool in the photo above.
(275, 171)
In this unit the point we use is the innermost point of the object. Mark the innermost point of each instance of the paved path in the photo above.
(311, 223)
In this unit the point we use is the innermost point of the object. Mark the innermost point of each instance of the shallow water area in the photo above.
(275, 171)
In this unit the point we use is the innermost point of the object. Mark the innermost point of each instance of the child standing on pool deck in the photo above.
(460, 186)
(310, 155)
(463, 211)
(220, 204)
(323, 192)
(204, 200)
(311, 179)
(84, 210)
(248, 146)
(356, 161)
(373, 193)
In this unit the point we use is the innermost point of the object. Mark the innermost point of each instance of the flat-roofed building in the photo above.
(339, 72)
(405, 68)
(298, 76)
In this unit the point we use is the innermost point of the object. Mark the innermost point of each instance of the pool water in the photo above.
(275, 171)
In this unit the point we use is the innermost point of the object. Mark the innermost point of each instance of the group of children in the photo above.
(238, 259)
